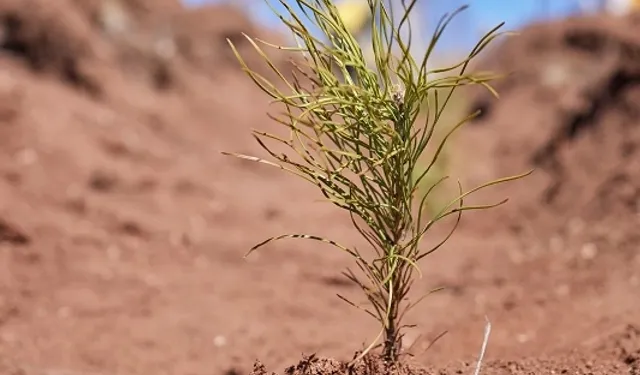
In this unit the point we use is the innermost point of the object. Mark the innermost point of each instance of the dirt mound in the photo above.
(370, 364)
(52, 37)
(569, 109)
(87, 42)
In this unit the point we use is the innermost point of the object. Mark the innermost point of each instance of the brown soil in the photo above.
(122, 227)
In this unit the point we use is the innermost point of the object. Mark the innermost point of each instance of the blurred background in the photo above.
(469, 26)
(123, 227)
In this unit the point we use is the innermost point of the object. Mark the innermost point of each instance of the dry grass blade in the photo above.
(483, 349)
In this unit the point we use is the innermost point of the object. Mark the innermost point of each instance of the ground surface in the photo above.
(122, 228)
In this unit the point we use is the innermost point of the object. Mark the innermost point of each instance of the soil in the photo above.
(123, 228)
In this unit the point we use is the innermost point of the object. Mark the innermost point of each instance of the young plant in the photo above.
(354, 132)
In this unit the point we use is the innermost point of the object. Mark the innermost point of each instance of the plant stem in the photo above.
(392, 335)
(395, 267)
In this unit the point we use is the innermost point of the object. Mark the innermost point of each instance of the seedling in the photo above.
(357, 133)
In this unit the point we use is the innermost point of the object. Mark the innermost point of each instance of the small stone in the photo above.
(216, 206)
(64, 312)
(516, 257)
(219, 341)
(27, 156)
(522, 338)
(8, 337)
(152, 281)
(563, 290)
(588, 251)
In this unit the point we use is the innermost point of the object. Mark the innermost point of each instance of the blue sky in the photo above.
(481, 15)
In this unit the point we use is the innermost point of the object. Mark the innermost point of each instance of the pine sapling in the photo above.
(358, 133)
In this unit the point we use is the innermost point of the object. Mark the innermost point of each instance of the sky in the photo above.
(481, 16)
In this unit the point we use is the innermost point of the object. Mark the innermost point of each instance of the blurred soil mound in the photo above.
(570, 108)
(113, 114)
(86, 42)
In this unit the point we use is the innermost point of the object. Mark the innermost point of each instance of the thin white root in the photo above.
(483, 349)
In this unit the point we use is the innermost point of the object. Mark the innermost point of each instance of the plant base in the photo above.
(371, 364)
